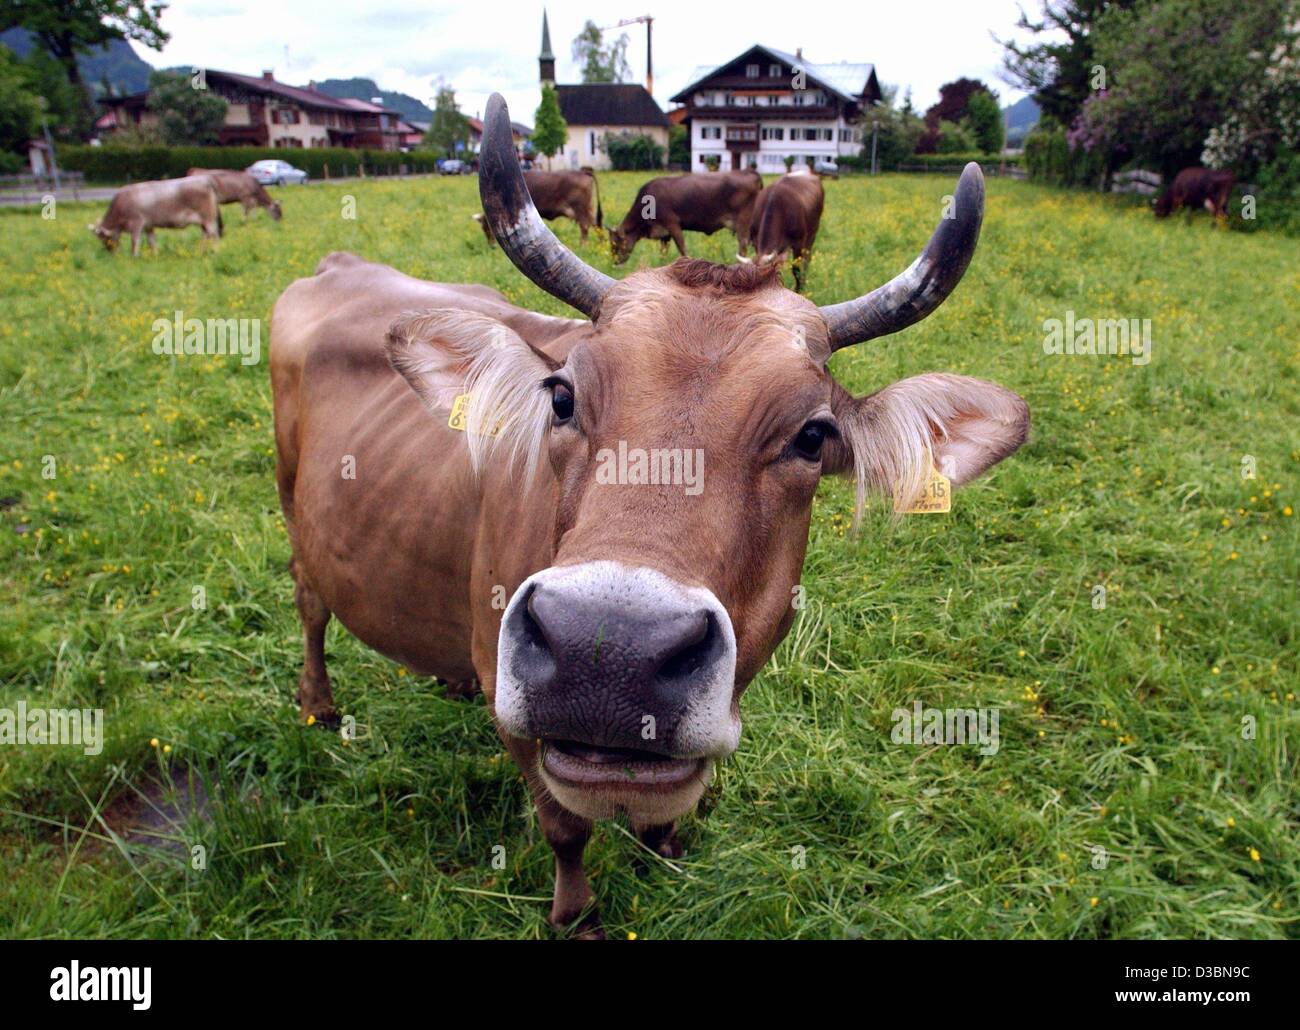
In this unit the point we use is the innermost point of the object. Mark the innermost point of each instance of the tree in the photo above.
(20, 110)
(601, 63)
(898, 130)
(187, 115)
(953, 99)
(67, 112)
(679, 146)
(1178, 70)
(628, 153)
(984, 120)
(1265, 120)
(550, 132)
(448, 126)
(954, 138)
(70, 28)
(1058, 72)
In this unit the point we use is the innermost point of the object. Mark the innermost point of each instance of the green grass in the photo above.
(1120, 727)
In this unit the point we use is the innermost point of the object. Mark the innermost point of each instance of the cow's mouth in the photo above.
(584, 765)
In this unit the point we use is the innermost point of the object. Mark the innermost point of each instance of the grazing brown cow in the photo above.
(561, 195)
(1197, 187)
(143, 207)
(699, 201)
(232, 186)
(786, 219)
(603, 522)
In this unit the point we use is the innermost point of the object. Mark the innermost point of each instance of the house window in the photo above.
(773, 132)
(774, 71)
(751, 71)
(706, 158)
(711, 132)
(591, 142)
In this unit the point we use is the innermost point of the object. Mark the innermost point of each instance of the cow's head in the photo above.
(105, 236)
(273, 209)
(623, 238)
(686, 432)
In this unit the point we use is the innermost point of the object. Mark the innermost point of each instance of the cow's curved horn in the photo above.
(913, 294)
(518, 227)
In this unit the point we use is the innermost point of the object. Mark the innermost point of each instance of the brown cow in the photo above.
(561, 195)
(232, 186)
(699, 201)
(484, 493)
(1197, 187)
(786, 219)
(143, 207)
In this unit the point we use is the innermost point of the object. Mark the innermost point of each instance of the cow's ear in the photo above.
(445, 354)
(963, 425)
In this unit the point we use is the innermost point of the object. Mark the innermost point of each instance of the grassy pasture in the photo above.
(1124, 801)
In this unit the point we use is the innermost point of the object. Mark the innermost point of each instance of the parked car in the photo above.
(276, 173)
(826, 166)
(454, 166)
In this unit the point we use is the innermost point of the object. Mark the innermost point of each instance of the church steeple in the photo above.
(546, 59)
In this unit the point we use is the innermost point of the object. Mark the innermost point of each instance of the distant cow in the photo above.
(1197, 187)
(166, 204)
(232, 186)
(786, 218)
(560, 195)
(699, 201)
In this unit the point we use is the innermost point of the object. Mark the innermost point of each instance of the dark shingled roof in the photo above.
(608, 103)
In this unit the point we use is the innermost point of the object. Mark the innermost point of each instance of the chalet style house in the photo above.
(593, 110)
(262, 112)
(765, 105)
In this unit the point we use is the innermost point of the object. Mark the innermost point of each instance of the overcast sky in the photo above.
(491, 45)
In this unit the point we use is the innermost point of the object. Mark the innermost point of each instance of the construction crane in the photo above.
(648, 20)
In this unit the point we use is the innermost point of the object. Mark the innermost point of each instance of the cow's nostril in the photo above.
(690, 653)
(532, 628)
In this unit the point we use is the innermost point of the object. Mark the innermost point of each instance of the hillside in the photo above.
(1019, 118)
(366, 89)
(125, 70)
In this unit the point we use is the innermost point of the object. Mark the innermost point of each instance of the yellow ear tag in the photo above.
(934, 499)
(459, 417)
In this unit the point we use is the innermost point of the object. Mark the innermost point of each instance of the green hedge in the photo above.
(1049, 158)
(946, 160)
(135, 164)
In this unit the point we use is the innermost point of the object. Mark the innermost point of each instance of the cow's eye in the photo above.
(808, 444)
(561, 402)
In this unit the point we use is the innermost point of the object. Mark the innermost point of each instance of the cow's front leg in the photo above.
(662, 840)
(679, 239)
(567, 834)
(135, 242)
(315, 696)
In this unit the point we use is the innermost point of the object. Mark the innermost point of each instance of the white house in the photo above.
(594, 110)
(765, 105)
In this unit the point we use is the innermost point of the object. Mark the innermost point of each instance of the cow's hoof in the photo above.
(325, 717)
(662, 840)
(315, 712)
(588, 928)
